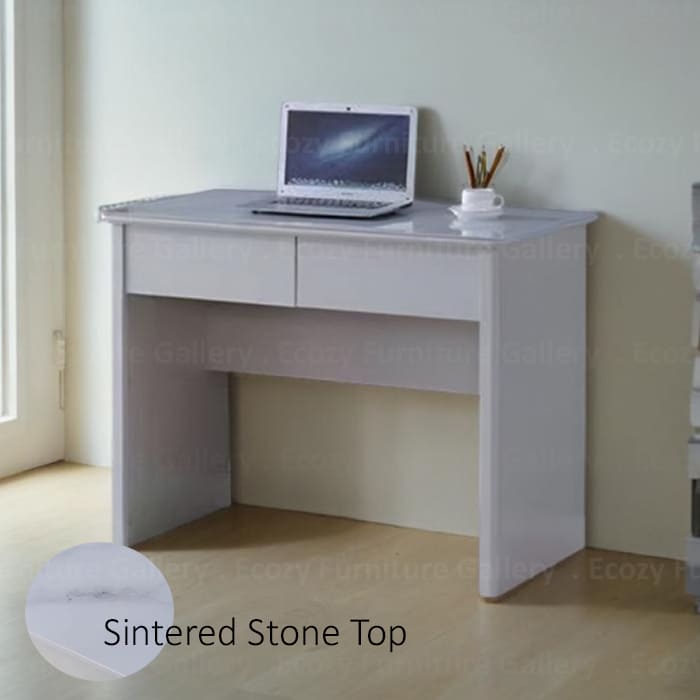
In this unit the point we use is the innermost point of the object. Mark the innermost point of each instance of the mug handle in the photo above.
(499, 201)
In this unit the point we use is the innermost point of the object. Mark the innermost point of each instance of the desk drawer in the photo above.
(432, 280)
(213, 265)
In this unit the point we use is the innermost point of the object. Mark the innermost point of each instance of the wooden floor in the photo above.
(603, 625)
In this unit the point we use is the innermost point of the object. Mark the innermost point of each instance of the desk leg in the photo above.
(532, 410)
(171, 419)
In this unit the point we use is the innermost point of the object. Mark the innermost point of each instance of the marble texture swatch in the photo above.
(77, 592)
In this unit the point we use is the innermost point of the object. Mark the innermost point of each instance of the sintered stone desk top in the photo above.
(423, 221)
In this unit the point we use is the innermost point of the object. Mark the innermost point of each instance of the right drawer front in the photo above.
(433, 280)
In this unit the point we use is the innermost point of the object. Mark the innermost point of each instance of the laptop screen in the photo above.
(347, 150)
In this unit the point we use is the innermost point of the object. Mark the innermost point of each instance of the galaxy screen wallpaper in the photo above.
(346, 149)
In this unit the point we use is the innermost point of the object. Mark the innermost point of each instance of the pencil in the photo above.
(470, 167)
(481, 168)
(494, 166)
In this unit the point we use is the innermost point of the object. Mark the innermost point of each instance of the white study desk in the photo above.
(202, 287)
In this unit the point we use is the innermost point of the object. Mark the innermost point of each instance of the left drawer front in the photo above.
(219, 266)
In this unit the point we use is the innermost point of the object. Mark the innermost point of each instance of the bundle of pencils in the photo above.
(482, 175)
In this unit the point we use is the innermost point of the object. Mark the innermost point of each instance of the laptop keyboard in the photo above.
(335, 203)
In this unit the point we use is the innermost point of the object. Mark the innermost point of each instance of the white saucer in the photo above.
(476, 214)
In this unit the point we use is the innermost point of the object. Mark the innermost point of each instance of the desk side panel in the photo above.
(533, 402)
(171, 422)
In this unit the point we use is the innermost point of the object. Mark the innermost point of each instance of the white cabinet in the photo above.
(693, 548)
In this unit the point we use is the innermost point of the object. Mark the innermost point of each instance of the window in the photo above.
(31, 234)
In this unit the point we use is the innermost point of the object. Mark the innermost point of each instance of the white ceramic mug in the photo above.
(481, 199)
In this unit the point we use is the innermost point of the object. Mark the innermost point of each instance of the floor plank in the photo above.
(603, 624)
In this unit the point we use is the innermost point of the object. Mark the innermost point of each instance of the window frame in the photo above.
(8, 257)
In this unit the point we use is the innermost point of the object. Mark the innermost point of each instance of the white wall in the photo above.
(371, 453)
(598, 101)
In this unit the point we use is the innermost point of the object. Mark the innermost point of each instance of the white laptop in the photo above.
(344, 160)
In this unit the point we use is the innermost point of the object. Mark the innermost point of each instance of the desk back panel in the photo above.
(370, 349)
(353, 348)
